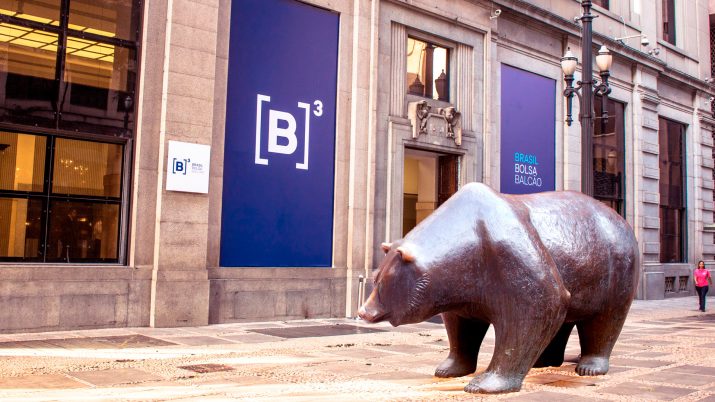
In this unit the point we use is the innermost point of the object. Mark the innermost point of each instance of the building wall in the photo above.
(173, 276)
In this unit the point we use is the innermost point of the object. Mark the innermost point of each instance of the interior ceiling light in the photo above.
(36, 39)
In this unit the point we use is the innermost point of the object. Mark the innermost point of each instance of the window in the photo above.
(68, 71)
(608, 155)
(69, 65)
(602, 3)
(59, 199)
(427, 70)
(668, 10)
(672, 191)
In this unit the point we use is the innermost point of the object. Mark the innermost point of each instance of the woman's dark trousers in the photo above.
(702, 291)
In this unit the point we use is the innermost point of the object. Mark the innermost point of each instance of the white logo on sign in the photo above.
(282, 126)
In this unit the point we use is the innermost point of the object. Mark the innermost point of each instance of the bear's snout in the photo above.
(371, 312)
(370, 316)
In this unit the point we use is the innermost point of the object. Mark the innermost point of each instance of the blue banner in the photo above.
(279, 154)
(528, 132)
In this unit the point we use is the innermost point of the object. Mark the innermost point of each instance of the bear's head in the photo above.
(400, 294)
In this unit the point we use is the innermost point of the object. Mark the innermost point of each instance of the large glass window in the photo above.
(668, 19)
(608, 155)
(69, 64)
(59, 199)
(110, 18)
(427, 69)
(672, 191)
(68, 69)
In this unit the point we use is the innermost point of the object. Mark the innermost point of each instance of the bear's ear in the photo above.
(386, 247)
(405, 254)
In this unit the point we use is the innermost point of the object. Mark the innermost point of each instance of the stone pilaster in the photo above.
(398, 67)
(177, 104)
(464, 85)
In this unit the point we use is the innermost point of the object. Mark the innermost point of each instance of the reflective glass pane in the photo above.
(22, 162)
(427, 70)
(671, 241)
(111, 18)
(43, 11)
(20, 228)
(608, 154)
(100, 81)
(670, 137)
(82, 232)
(87, 168)
(27, 75)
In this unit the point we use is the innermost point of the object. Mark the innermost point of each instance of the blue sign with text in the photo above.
(279, 154)
(528, 132)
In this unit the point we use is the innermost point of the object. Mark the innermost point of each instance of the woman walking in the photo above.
(702, 279)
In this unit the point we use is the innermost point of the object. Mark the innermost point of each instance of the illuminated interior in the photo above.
(61, 197)
(36, 39)
(22, 162)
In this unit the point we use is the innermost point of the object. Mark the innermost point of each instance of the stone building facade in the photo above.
(415, 98)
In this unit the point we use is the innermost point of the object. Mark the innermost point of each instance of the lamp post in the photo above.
(588, 87)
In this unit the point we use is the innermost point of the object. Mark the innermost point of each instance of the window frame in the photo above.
(63, 32)
(605, 4)
(125, 138)
(682, 221)
(47, 197)
(668, 15)
(435, 41)
(620, 148)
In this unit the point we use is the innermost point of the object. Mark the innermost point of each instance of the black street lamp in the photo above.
(588, 87)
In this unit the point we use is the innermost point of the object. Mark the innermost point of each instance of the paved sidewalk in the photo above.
(666, 352)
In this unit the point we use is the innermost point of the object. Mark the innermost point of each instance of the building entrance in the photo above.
(430, 178)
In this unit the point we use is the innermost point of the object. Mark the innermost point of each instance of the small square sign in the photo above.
(188, 167)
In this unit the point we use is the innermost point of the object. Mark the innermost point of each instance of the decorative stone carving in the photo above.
(418, 113)
(454, 126)
(447, 121)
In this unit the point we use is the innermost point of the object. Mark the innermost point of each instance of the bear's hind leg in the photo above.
(598, 335)
(553, 355)
(465, 338)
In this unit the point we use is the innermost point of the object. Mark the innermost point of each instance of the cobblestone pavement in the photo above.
(666, 352)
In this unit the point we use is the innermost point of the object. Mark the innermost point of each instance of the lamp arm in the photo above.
(569, 92)
(602, 89)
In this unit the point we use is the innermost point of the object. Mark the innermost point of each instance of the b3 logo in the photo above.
(180, 166)
(282, 125)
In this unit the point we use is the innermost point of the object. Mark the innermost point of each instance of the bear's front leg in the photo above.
(518, 344)
(465, 337)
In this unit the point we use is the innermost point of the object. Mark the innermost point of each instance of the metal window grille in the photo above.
(683, 283)
(669, 284)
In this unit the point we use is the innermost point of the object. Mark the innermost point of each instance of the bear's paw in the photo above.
(592, 365)
(492, 383)
(455, 367)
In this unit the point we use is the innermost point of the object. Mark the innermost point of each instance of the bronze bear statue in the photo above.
(534, 266)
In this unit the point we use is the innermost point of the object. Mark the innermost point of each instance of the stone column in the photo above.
(704, 123)
(361, 193)
(646, 180)
(170, 229)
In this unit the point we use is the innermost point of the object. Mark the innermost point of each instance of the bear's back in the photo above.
(593, 247)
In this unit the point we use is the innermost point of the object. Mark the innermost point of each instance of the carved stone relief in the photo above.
(445, 122)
